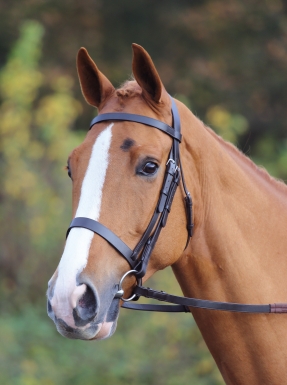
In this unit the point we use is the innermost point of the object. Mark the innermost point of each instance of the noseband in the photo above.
(138, 258)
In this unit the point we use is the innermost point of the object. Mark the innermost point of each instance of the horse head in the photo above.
(117, 175)
(125, 175)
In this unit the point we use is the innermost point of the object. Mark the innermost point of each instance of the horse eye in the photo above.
(149, 168)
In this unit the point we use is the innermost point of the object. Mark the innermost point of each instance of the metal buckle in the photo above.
(170, 160)
(119, 294)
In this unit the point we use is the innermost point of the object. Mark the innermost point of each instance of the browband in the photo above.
(173, 132)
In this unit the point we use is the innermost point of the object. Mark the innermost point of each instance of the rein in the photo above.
(139, 257)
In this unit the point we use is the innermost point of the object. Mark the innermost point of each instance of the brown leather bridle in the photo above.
(138, 258)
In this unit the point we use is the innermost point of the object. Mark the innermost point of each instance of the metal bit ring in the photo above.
(120, 292)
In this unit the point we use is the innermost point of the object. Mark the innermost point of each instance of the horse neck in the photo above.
(238, 254)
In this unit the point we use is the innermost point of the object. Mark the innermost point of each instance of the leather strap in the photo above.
(138, 119)
(105, 233)
(185, 302)
(177, 128)
(164, 204)
(157, 308)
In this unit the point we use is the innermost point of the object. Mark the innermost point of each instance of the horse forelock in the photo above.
(129, 88)
(129, 97)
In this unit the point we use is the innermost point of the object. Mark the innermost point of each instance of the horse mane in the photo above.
(277, 183)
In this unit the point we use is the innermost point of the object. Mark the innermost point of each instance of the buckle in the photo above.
(170, 160)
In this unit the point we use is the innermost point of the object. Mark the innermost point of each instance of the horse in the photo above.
(238, 249)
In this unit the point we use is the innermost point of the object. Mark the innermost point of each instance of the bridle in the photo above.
(138, 258)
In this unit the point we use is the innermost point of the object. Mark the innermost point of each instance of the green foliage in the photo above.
(229, 126)
(34, 144)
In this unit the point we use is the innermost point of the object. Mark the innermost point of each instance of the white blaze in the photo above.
(76, 252)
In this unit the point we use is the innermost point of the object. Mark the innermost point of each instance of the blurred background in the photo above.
(227, 61)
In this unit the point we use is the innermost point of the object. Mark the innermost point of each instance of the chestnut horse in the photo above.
(238, 250)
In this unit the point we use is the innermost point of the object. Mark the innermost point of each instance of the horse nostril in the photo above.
(87, 301)
(86, 308)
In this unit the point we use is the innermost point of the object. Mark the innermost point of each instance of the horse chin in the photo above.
(106, 330)
(91, 332)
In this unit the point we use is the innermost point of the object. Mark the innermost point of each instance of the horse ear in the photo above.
(146, 74)
(95, 86)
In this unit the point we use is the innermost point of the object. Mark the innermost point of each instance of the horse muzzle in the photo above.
(78, 314)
